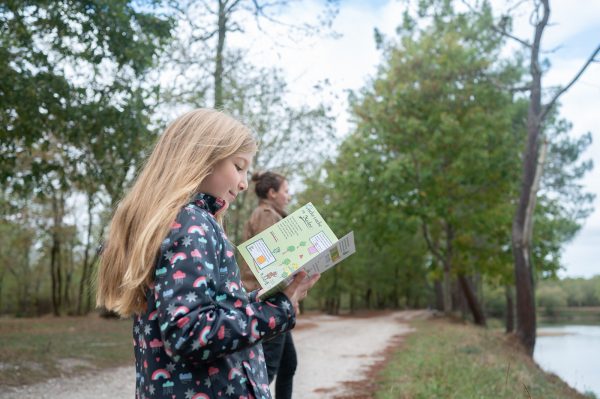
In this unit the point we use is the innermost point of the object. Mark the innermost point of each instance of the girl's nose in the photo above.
(243, 185)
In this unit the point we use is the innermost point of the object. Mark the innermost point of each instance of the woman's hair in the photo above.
(184, 155)
(264, 181)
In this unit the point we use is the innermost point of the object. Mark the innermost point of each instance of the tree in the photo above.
(64, 64)
(438, 119)
(200, 59)
(57, 58)
(533, 164)
(209, 71)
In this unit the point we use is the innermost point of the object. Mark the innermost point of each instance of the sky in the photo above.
(349, 60)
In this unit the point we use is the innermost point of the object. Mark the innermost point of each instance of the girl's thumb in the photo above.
(297, 280)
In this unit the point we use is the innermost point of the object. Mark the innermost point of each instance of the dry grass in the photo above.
(35, 349)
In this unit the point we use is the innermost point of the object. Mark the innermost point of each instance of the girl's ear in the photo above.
(271, 193)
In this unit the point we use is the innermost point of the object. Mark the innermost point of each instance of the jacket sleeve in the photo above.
(199, 317)
(249, 281)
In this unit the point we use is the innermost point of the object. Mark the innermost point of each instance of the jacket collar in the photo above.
(271, 204)
(212, 204)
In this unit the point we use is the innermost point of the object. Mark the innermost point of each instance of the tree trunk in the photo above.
(472, 301)
(93, 263)
(84, 281)
(218, 75)
(526, 321)
(396, 291)
(368, 296)
(68, 278)
(439, 295)
(521, 233)
(447, 262)
(55, 276)
(510, 309)
(54, 254)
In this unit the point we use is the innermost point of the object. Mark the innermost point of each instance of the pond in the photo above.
(573, 353)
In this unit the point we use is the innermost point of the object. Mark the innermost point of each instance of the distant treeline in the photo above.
(552, 296)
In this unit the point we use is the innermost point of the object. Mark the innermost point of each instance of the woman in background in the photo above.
(280, 355)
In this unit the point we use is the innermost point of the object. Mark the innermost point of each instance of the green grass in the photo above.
(443, 359)
(35, 349)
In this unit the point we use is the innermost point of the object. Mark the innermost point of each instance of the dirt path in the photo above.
(332, 352)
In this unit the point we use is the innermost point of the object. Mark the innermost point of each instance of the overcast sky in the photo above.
(348, 62)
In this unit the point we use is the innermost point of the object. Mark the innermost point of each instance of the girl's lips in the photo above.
(232, 195)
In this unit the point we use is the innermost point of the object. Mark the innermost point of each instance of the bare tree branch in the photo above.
(231, 7)
(510, 36)
(549, 106)
(517, 5)
(498, 29)
(554, 50)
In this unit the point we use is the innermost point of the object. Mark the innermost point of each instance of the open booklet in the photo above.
(301, 241)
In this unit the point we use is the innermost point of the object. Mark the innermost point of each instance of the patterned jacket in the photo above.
(200, 335)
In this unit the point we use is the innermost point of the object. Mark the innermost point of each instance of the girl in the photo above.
(167, 262)
(280, 354)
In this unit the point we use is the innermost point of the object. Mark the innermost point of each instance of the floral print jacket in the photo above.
(200, 335)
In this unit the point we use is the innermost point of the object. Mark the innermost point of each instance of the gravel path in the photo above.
(331, 352)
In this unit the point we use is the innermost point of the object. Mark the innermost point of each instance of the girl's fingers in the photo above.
(292, 290)
(308, 284)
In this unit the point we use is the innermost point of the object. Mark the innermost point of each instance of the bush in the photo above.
(551, 297)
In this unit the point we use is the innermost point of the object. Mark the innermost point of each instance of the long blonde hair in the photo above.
(183, 157)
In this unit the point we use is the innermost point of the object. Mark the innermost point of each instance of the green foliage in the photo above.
(557, 299)
(436, 154)
(77, 96)
(63, 64)
(433, 150)
(581, 292)
(16, 267)
(562, 204)
(74, 108)
(551, 298)
(495, 301)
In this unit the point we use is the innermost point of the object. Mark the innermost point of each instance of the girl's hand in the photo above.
(299, 287)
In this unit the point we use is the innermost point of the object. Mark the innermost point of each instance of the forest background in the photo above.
(426, 168)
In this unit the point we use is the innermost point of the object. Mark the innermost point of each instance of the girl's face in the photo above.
(282, 196)
(229, 177)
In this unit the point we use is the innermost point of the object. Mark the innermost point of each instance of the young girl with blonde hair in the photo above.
(168, 263)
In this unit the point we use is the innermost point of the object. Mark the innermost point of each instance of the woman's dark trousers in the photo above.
(280, 356)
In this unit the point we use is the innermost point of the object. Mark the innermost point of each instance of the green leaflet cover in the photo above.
(301, 241)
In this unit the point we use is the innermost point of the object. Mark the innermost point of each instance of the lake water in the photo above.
(573, 353)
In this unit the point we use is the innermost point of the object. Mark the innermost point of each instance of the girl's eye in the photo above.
(237, 168)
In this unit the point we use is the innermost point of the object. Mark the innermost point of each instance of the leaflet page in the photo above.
(322, 262)
(283, 248)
